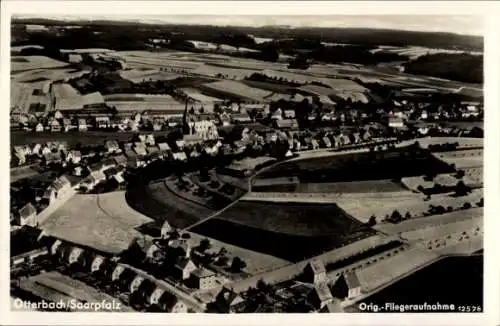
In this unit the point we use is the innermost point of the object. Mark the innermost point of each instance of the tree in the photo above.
(407, 216)
(480, 203)
(461, 189)
(372, 221)
(238, 264)
(204, 245)
(466, 205)
(460, 174)
(396, 216)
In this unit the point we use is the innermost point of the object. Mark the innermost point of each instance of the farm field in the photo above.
(464, 159)
(22, 63)
(443, 230)
(429, 221)
(293, 232)
(138, 75)
(216, 70)
(389, 269)
(54, 74)
(363, 207)
(358, 166)
(272, 87)
(235, 89)
(160, 204)
(351, 187)
(463, 142)
(104, 222)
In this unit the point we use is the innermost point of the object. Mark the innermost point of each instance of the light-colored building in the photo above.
(315, 272)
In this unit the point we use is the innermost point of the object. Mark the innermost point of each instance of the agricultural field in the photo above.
(23, 63)
(104, 222)
(160, 204)
(443, 230)
(23, 100)
(381, 205)
(463, 159)
(235, 89)
(463, 142)
(295, 231)
(429, 221)
(351, 187)
(392, 268)
(360, 166)
(139, 75)
(217, 70)
(54, 74)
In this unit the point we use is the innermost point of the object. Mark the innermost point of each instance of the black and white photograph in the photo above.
(246, 164)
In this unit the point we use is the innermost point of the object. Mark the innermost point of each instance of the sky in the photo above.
(471, 25)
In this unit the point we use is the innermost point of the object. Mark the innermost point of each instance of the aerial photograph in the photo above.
(246, 164)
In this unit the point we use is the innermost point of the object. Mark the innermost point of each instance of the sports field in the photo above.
(104, 222)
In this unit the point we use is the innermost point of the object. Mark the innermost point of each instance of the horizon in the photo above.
(462, 25)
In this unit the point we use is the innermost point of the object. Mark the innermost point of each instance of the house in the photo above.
(120, 160)
(49, 195)
(52, 158)
(152, 149)
(61, 186)
(277, 115)
(320, 295)
(165, 230)
(357, 138)
(242, 117)
(367, 135)
(315, 272)
(82, 125)
(290, 124)
(36, 149)
(92, 180)
(157, 126)
(112, 146)
(315, 144)
(180, 144)
(18, 159)
(114, 173)
(203, 279)
(133, 125)
(184, 267)
(289, 114)
(78, 171)
(396, 123)
(39, 127)
(55, 126)
(169, 303)
(347, 286)
(344, 140)
(142, 138)
(74, 156)
(102, 122)
(228, 301)
(140, 151)
(326, 142)
(27, 214)
(66, 124)
(163, 147)
(150, 140)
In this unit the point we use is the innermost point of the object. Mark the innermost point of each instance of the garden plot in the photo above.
(444, 179)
